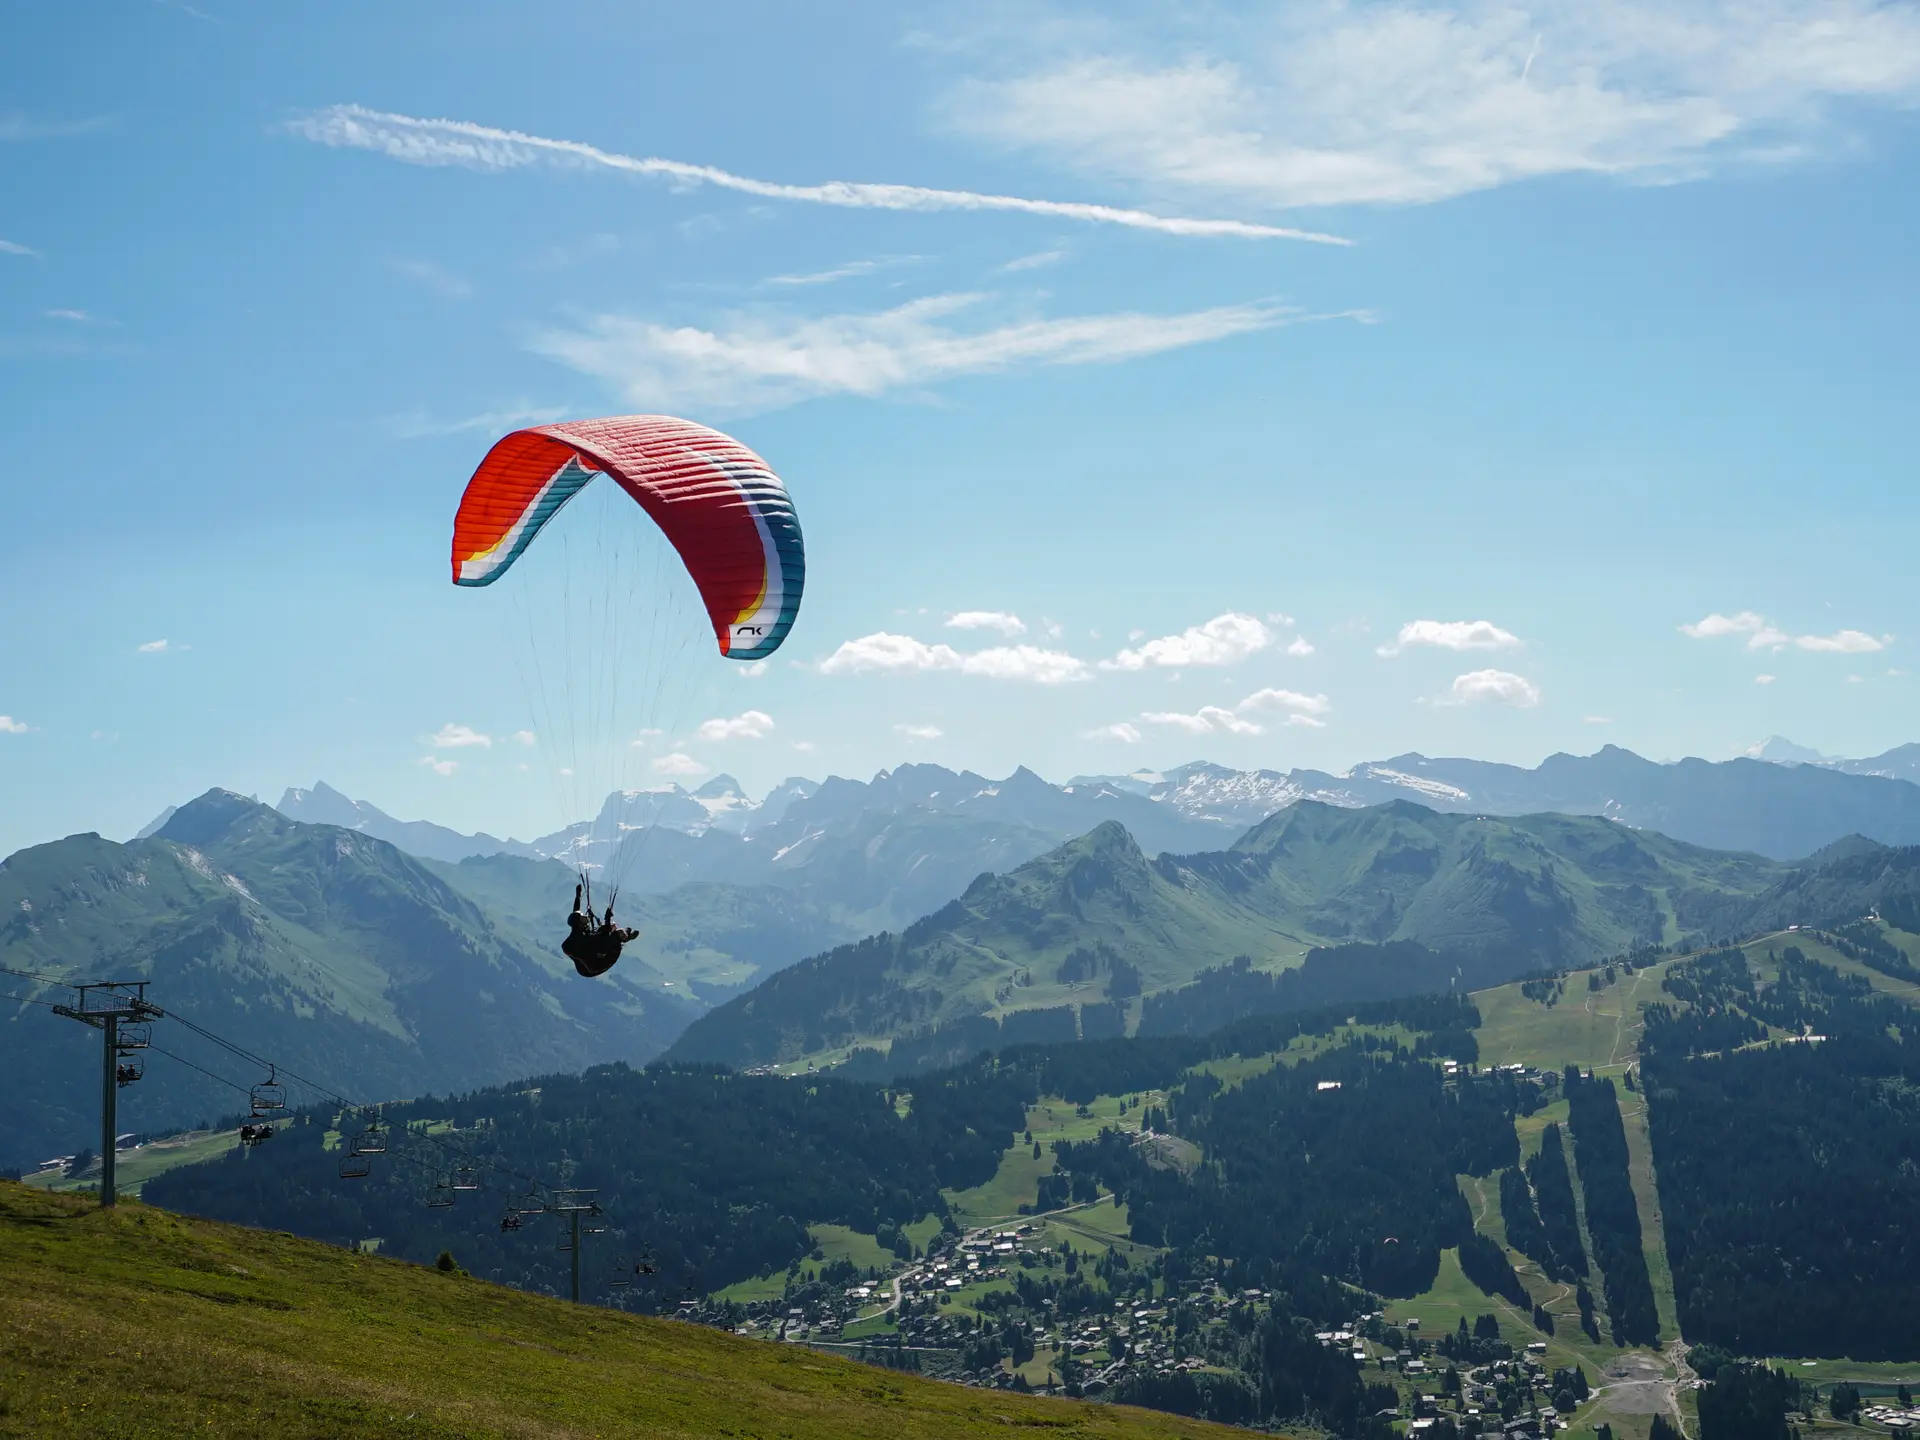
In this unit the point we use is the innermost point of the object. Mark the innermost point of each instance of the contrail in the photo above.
(482, 147)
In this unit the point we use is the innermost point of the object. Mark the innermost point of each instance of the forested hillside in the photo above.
(334, 952)
(1788, 1171)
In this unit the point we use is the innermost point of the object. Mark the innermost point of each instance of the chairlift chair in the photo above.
(251, 1135)
(126, 1070)
(355, 1166)
(465, 1178)
(134, 1035)
(371, 1141)
(440, 1197)
(270, 1095)
(509, 1221)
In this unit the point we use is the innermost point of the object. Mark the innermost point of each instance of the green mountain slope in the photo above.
(334, 952)
(1095, 922)
(140, 1322)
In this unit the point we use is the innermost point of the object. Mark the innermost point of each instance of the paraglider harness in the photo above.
(592, 945)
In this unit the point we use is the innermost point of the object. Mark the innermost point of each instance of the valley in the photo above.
(989, 1187)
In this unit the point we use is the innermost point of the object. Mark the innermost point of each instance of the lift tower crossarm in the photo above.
(103, 1005)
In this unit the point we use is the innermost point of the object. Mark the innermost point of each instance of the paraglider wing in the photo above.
(723, 509)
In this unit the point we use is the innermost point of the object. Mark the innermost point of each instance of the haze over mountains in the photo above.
(425, 959)
(1756, 802)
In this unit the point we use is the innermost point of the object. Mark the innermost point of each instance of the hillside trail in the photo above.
(1684, 1378)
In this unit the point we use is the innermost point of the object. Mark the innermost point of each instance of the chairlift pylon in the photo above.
(269, 1095)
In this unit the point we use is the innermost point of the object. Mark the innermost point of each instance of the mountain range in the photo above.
(1780, 800)
(1096, 923)
(336, 953)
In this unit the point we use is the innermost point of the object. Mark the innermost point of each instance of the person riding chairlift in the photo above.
(593, 945)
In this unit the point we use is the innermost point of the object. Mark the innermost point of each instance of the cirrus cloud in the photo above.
(417, 141)
(763, 359)
(1407, 102)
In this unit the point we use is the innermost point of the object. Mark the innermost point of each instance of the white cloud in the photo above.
(1204, 721)
(753, 669)
(763, 359)
(678, 763)
(1123, 732)
(1299, 709)
(72, 317)
(1763, 634)
(842, 272)
(1300, 646)
(1408, 102)
(11, 726)
(1596, 719)
(1006, 623)
(1452, 635)
(456, 737)
(1845, 642)
(641, 740)
(1025, 662)
(1039, 260)
(1496, 686)
(883, 652)
(158, 647)
(418, 425)
(805, 747)
(525, 737)
(9, 247)
(439, 766)
(747, 725)
(920, 732)
(1765, 679)
(1223, 640)
(418, 141)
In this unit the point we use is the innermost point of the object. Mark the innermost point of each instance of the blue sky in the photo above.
(1595, 427)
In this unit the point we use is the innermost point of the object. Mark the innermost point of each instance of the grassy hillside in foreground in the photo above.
(144, 1323)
